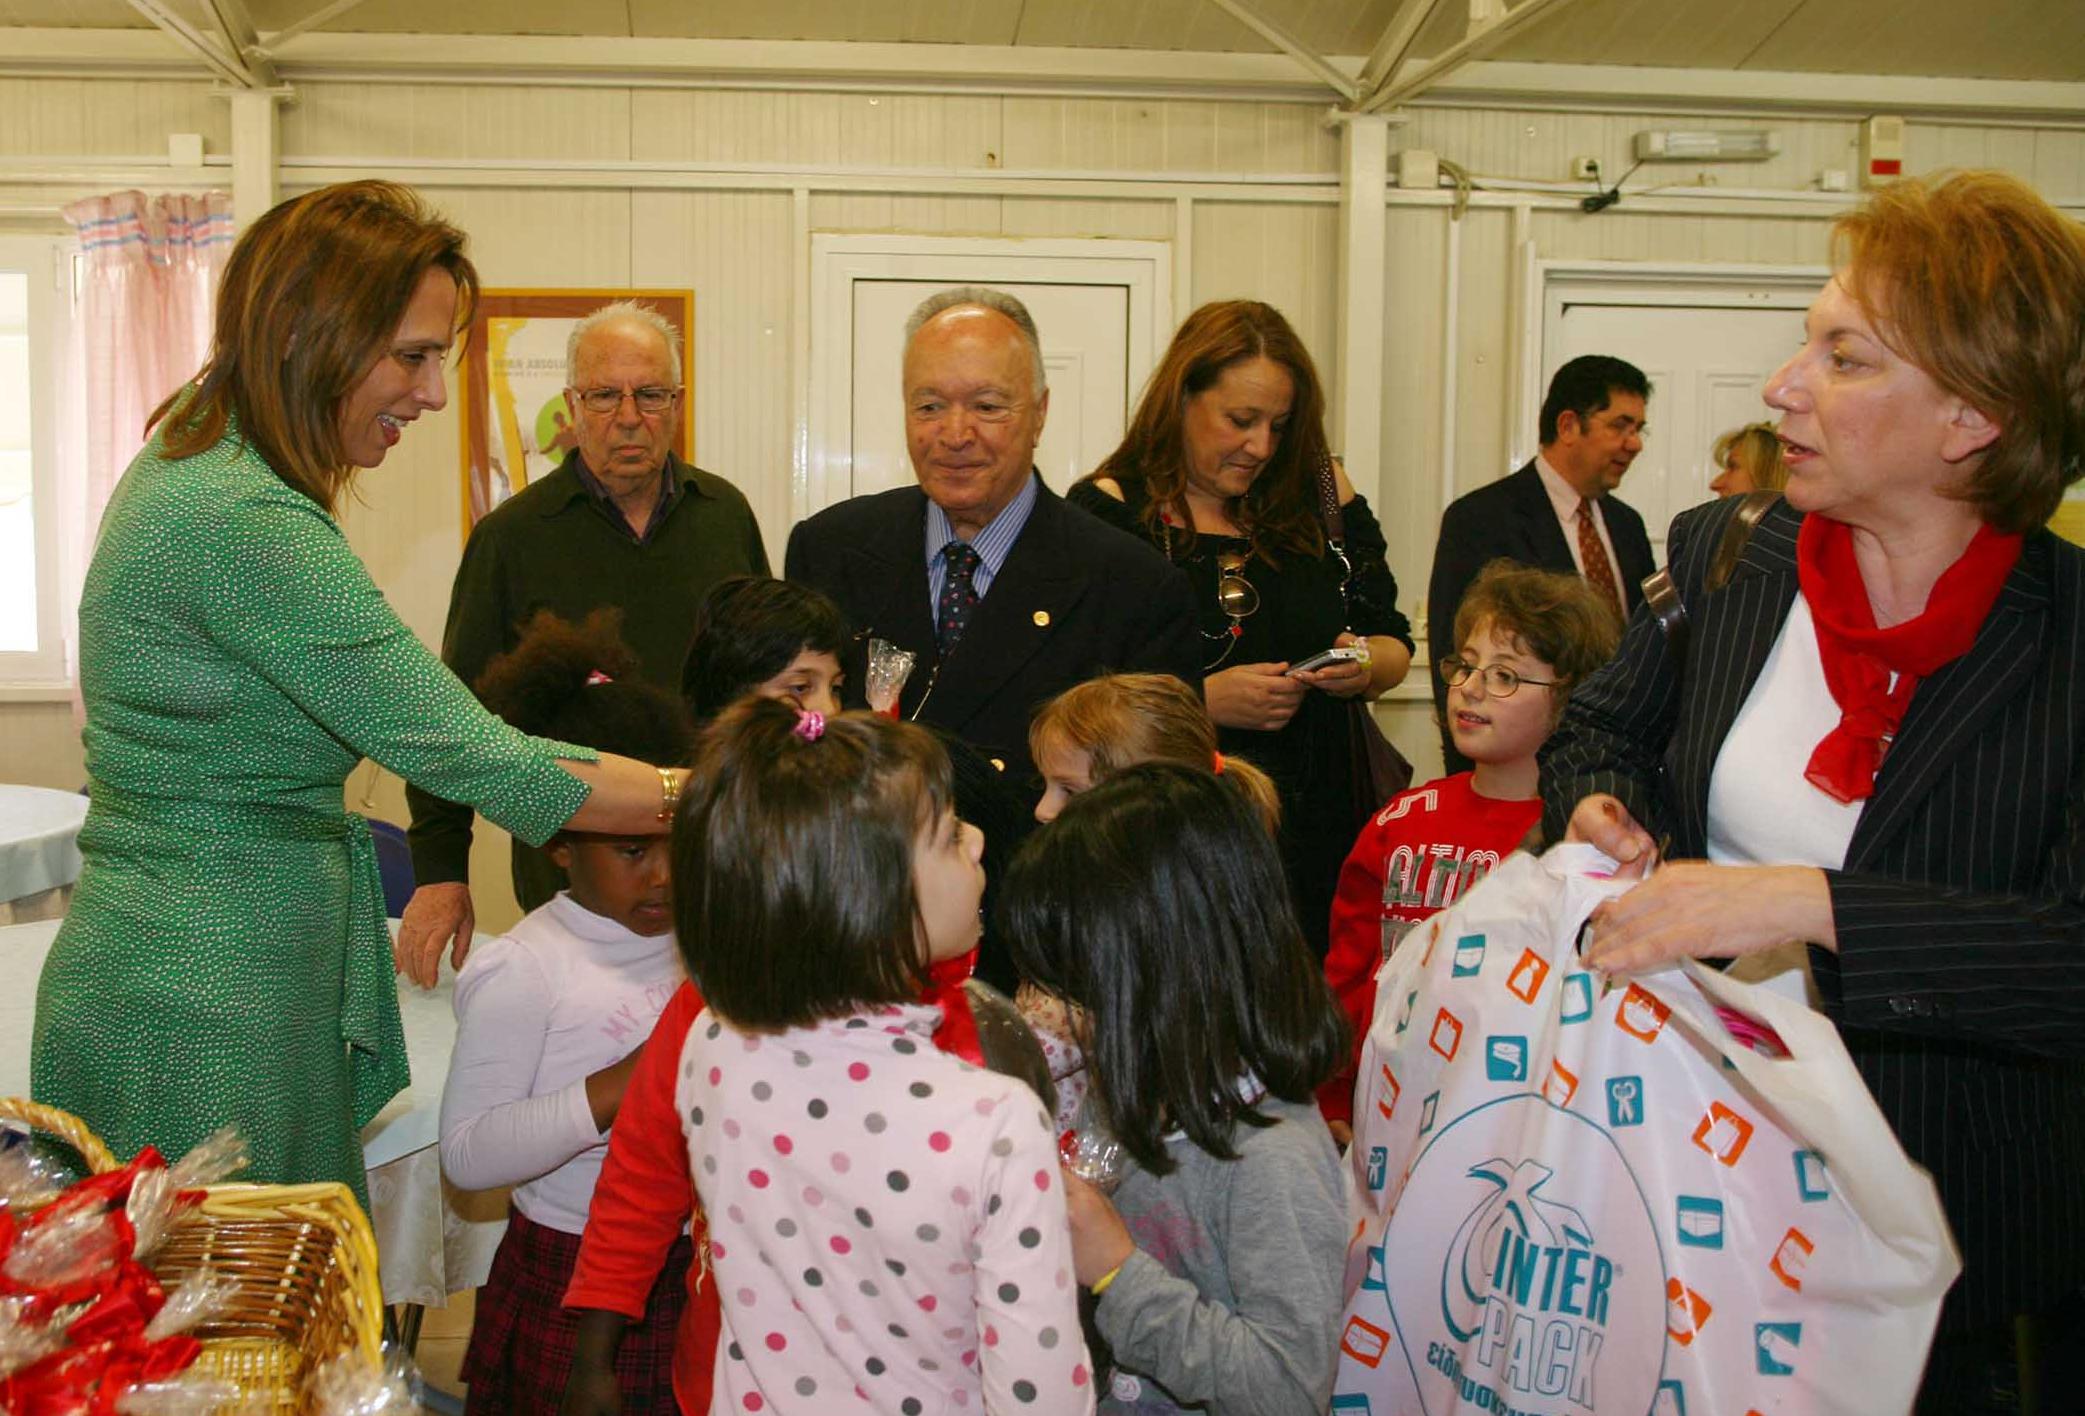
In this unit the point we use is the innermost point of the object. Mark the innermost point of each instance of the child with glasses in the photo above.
(1522, 639)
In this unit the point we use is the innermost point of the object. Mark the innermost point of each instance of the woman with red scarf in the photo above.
(1865, 769)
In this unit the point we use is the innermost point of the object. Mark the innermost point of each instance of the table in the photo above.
(432, 1239)
(39, 851)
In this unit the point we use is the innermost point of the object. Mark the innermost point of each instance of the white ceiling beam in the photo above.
(325, 14)
(190, 38)
(235, 28)
(1287, 43)
(1475, 45)
(1398, 35)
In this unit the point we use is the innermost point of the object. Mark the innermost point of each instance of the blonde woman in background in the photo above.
(1748, 459)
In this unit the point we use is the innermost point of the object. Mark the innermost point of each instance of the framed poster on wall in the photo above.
(515, 425)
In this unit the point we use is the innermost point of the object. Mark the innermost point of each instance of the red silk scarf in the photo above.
(1859, 658)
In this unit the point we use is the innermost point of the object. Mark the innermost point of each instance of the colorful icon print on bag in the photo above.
(1561, 1086)
(1578, 998)
(1641, 1015)
(1427, 1108)
(1698, 1222)
(1404, 1014)
(1469, 955)
(1387, 1104)
(1625, 1101)
(1774, 1346)
(1686, 1312)
(1810, 1182)
(1528, 976)
(1364, 1342)
(1723, 1133)
(1792, 1258)
(1378, 1166)
(1505, 1059)
(1671, 1400)
(1447, 1034)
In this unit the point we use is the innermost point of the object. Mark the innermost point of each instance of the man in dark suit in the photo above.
(1007, 595)
(1556, 513)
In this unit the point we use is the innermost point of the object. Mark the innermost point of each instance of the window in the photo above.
(35, 303)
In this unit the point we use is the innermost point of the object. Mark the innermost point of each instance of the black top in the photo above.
(1302, 610)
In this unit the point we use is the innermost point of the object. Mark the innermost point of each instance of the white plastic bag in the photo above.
(1574, 1196)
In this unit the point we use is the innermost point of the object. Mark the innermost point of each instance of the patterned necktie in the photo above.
(958, 595)
(1599, 570)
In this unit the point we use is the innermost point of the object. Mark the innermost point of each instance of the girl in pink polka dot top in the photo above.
(887, 1222)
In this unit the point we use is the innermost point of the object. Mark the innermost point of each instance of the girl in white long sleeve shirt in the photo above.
(550, 1019)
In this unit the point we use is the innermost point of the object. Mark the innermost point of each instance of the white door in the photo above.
(1707, 347)
(1085, 339)
(1103, 310)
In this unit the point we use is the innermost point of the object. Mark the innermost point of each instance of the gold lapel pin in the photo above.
(1042, 619)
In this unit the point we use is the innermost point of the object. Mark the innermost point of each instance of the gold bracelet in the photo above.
(669, 794)
(1100, 1285)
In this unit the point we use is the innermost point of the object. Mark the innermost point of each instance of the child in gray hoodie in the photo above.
(1157, 905)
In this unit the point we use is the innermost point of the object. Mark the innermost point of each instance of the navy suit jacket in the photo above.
(1513, 518)
(1959, 980)
(1075, 598)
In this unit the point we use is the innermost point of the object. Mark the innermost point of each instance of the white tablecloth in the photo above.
(432, 1240)
(39, 851)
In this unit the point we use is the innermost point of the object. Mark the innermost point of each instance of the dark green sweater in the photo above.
(556, 546)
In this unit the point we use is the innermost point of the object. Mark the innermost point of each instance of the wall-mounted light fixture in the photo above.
(1702, 145)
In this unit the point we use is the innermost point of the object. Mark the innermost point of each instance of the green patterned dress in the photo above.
(225, 959)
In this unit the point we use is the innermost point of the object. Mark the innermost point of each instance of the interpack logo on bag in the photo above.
(1511, 1309)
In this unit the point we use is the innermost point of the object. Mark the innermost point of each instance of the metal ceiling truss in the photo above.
(1380, 84)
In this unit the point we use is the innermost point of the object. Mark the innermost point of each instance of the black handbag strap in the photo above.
(1663, 596)
(1335, 522)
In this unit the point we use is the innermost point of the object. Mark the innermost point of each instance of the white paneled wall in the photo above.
(602, 186)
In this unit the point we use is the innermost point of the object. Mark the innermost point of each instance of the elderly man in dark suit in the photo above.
(1007, 595)
(1556, 513)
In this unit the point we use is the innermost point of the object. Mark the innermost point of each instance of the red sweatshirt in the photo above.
(645, 1194)
(1414, 858)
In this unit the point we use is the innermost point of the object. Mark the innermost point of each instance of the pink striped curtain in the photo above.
(152, 265)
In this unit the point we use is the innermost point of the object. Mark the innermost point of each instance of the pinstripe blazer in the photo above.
(1959, 981)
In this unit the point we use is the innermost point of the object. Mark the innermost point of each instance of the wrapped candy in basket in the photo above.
(149, 1290)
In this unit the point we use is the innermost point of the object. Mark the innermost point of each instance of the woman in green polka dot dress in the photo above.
(226, 959)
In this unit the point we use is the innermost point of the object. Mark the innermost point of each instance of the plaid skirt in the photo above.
(520, 1351)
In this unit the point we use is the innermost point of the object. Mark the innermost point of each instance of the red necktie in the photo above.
(1599, 570)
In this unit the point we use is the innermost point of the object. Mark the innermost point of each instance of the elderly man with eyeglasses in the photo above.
(622, 523)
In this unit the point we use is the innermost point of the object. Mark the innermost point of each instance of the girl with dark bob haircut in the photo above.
(750, 631)
(1156, 903)
(793, 863)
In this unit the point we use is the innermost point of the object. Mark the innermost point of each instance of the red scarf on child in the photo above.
(1859, 658)
(958, 1031)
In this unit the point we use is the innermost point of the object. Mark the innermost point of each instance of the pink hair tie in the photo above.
(596, 676)
(810, 726)
(1218, 758)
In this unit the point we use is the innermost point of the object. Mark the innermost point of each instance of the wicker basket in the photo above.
(302, 1256)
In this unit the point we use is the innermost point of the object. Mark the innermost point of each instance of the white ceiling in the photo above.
(1975, 39)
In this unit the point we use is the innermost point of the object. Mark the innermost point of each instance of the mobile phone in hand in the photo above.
(1346, 654)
